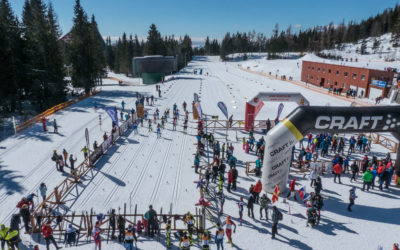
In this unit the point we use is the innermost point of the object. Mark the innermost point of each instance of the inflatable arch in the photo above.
(254, 106)
(321, 119)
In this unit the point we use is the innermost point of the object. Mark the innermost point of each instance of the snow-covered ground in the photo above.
(141, 169)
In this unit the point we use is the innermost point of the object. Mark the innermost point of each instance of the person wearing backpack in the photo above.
(352, 197)
(354, 170)
(264, 201)
(276, 217)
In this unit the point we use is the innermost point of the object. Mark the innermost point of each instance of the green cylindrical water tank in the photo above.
(151, 78)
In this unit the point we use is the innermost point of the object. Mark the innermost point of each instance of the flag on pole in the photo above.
(275, 196)
(113, 114)
(280, 108)
(223, 108)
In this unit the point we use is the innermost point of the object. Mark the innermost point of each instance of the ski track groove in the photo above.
(115, 188)
(100, 180)
(178, 173)
(160, 176)
(39, 165)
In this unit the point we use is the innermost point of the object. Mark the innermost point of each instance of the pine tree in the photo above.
(207, 46)
(11, 69)
(154, 44)
(97, 48)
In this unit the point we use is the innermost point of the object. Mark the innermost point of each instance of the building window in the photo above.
(335, 83)
(344, 85)
(354, 76)
(345, 74)
(318, 69)
(312, 68)
(329, 71)
(323, 70)
(317, 78)
(329, 81)
(308, 67)
(337, 72)
(308, 76)
(362, 77)
(312, 77)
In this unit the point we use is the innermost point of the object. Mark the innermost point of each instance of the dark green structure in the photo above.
(152, 69)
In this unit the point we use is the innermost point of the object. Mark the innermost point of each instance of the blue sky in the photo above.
(212, 17)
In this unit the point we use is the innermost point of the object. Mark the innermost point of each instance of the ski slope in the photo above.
(143, 170)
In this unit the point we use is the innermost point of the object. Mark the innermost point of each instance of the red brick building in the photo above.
(367, 82)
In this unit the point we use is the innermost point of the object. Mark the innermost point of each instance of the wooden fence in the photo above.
(59, 193)
(387, 143)
(50, 111)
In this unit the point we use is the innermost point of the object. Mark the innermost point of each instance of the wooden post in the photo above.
(57, 195)
(76, 178)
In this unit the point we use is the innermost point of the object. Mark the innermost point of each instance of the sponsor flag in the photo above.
(113, 114)
(198, 108)
(275, 196)
(223, 108)
(301, 192)
(280, 108)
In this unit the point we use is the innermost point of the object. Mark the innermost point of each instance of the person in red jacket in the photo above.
(23, 201)
(337, 170)
(230, 180)
(257, 190)
(292, 190)
(47, 233)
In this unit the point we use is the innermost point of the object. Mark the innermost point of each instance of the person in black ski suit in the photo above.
(234, 177)
(318, 185)
(151, 220)
(112, 223)
(276, 217)
(26, 216)
(250, 205)
(15, 222)
(121, 228)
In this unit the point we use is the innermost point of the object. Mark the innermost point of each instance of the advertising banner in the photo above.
(113, 114)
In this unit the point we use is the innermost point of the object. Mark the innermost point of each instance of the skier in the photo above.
(29, 198)
(185, 242)
(219, 237)
(12, 239)
(367, 178)
(250, 206)
(292, 190)
(205, 240)
(189, 221)
(129, 237)
(184, 105)
(159, 131)
(123, 105)
(318, 204)
(234, 177)
(65, 153)
(264, 201)
(85, 152)
(337, 169)
(354, 170)
(230, 180)
(257, 190)
(61, 163)
(240, 206)
(3, 232)
(150, 127)
(47, 232)
(151, 218)
(121, 228)
(72, 162)
(55, 126)
(26, 216)
(55, 158)
(311, 217)
(96, 235)
(352, 197)
(228, 229)
(276, 217)
(112, 223)
(70, 235)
